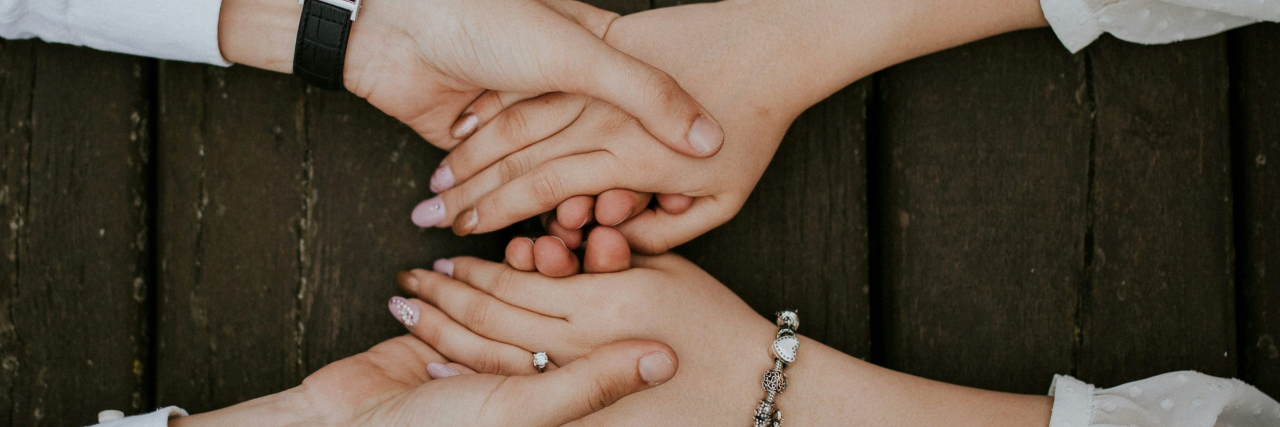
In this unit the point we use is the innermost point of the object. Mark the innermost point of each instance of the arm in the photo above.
(755, 64)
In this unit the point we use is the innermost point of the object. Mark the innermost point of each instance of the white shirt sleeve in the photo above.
(1185, 399)
(158, 418)
(183, 30)
(1079, 22)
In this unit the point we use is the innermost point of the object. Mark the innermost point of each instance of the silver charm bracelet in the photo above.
(775, 381)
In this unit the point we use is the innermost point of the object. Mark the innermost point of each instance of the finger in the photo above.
(457, 343)
(587, 385)
(655, 98)
(575, 213)
(530, 291)
(520, 254)
(572, 239)
(483, 109)
(616, 205)
(463, 369)
(607, 251)
(553, 258)
(485, 315)
(512, 130)
(539, 190)
(593, 19)
(674, 203)
(656, 231)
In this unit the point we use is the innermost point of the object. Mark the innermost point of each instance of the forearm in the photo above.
(831, 388)
(788, 55)
(284, 409)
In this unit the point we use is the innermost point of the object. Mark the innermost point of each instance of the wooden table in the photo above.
(990, 215)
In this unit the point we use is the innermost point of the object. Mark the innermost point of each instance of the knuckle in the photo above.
(514, 125)
(512, 167)
(503, 283)
(606, 390)
(479, 315)
(489, 361)
(664, 90)
(547, 188)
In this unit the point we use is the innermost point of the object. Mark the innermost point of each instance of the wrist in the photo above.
(259, 33)
(288, 408)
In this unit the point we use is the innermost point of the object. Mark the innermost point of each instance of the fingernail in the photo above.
(656, 368)
(429, 213)
(440, 370)
(404, 311)
(443, 266)
(584, 222)
(407, 280)
(705, 135)
(466, 222)
(442, 180)
(465, 125)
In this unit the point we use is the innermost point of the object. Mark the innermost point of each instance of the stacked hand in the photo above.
(389, 386)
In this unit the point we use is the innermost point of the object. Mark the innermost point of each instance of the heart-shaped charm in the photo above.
(785, 348)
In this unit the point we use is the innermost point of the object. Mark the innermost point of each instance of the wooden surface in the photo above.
(179, 234)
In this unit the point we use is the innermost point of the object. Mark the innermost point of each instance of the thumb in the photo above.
(652, 96)
(592, 382)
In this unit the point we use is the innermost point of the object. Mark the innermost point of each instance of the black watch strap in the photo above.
(321, 49)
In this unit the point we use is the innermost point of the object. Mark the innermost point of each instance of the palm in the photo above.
(357, 385)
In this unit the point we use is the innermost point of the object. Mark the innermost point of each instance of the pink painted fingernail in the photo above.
(440, 370)
(443, 266)
(404, 311)
(442, 180)
(705, 136)
(429, 213)
(465, 125)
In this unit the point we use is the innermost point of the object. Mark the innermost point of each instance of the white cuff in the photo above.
(1072, 21)
(183, 30)
(158, 418)
(1072, 402)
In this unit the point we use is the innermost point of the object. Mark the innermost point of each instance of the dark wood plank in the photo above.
(1161, 296)
(17, 75)
(1258, 203)
(77, 287)
(801, 239)
(233, 177)
(368, 171)
(980, 179)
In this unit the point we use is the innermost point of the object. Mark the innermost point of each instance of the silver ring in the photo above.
(540, 361)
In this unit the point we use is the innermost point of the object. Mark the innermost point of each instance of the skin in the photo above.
(427, 62)
(389, 386)
(568, 148)
(490, 306)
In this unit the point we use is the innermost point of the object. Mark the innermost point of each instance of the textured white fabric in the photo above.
(1175, 399)
(183, 30)
(155, 419)
(1079, 22)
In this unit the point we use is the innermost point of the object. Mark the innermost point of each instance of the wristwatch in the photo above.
(319, 55)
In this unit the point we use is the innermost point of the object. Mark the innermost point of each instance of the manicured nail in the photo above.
(465, 125)
(407, 280)
(705, 135)
(442, 180)
(429, 213)
(404, 311)
(656, 368)
(443, 266)
(440, 370)
(466, 222)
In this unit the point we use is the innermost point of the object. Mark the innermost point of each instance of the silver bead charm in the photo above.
(788, 320)
(774, 382)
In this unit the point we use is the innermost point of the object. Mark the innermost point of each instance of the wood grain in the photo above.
(1256, 115)
(76, 266)
(233, 172)
(979, 177)
(1161, 291)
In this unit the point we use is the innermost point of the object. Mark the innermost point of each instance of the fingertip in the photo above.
(553, 258)
(607, 251)
(407, 282)
(674, 204)
(705, 136)
(572, 239)
(575, 213)
(443, 266)
(520, 254)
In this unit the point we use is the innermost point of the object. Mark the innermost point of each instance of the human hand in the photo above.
(536, 154)
(389, 386)
(474, 317)
(424, 62)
